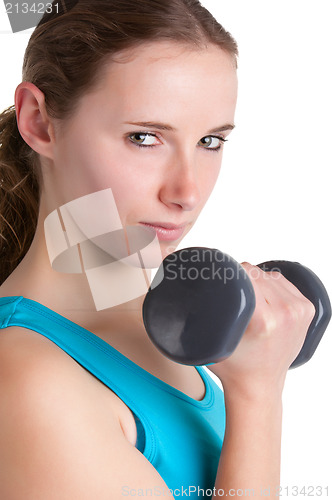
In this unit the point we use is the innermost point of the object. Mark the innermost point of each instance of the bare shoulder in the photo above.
(26, 357)
(33, 369)
(61, 432)
(33, 363)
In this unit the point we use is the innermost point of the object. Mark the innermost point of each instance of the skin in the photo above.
(194, 91)
(170, 182)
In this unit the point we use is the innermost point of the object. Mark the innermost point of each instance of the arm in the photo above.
(250, 456)
(60, 437)
(253, 379)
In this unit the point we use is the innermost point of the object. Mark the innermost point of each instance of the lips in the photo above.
(165, 230)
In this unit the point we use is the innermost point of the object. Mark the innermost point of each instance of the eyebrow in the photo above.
(164, 126)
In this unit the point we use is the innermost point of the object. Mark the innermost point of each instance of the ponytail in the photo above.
(19, 194)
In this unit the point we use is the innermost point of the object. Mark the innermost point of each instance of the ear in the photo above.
(33, 121)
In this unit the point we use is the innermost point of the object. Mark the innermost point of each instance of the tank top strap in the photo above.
(112, 368)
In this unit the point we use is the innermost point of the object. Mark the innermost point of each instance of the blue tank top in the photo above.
(180, 436)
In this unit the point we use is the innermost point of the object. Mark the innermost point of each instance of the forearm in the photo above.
(250, 458)
(253, 379)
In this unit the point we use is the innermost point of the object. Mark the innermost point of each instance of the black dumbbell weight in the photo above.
(201, 301)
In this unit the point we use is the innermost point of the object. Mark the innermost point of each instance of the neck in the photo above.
(71, 294)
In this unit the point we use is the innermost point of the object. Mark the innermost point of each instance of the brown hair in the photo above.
(64, 57)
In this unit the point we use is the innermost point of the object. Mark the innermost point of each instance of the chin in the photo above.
(168, 247)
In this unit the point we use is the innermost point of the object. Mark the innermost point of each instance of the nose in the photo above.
(180, 185)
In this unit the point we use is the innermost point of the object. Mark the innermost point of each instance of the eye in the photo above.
(143, 139)
(212, 142)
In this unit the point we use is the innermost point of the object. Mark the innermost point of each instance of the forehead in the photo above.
(168, 78)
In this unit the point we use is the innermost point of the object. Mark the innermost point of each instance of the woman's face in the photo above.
(153, 132)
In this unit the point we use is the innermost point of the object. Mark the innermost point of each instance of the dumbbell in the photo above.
(201, 300)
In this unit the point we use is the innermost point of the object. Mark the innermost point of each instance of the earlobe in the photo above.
(32, 119)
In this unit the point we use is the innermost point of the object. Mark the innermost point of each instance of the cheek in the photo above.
(133, 189)
(79, 168)
(208, 178)
(84, 164)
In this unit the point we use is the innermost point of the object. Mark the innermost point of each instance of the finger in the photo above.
(271, 287)
(280, 280)
(256, 276)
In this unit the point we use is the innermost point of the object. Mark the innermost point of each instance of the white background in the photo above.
(273, 197)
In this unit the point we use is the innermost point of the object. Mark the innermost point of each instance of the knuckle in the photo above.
(254, 272)
(246, 265)
(309, 309)
(266, 322)
(297, 311)
(289, 313)
(276, 274)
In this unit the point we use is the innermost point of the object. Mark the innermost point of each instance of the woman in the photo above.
(137, 97)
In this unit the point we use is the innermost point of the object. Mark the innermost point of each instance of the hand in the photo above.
(273, 338)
